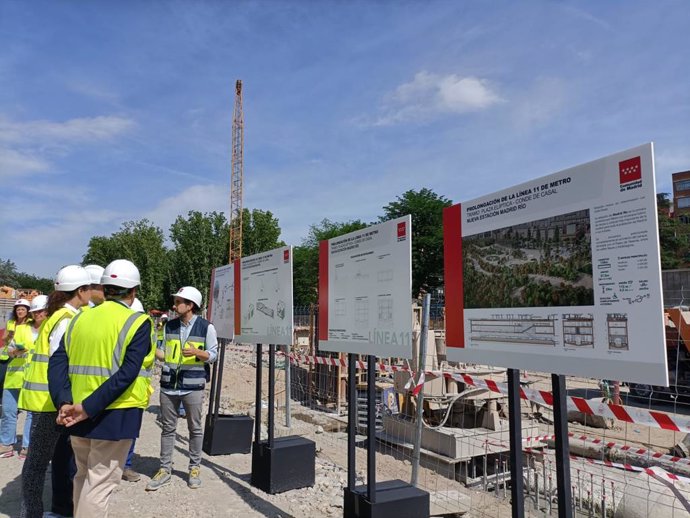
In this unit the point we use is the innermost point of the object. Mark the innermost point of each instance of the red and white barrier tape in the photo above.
(628, 449)
(627, 414)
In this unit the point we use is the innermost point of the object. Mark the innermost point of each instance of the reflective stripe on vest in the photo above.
(34, 395)
(96, 344)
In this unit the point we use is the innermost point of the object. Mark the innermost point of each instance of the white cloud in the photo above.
(14, 163)
(428, 96)
(82, 129)
(27, 146)
(204, 198)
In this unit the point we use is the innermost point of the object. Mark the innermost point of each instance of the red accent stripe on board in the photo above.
(323, 290)
(238, 297)
(209, 308)
(452, 271)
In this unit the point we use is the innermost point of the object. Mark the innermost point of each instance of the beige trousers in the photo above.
(99, 471)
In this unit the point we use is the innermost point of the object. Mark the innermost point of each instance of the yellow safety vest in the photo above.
(96, 342)
(179, 371)
(11, 325)
(34, 396)
(23, 339)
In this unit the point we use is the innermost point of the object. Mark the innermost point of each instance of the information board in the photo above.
(221, 306)
(365, 291)
(561, 274)
(263, 298)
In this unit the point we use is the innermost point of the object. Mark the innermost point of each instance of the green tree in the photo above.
(201, 243)
(142, 243)
(426, 208)
(10, 276)
(8, 273)
(306, 258)
(260, 232)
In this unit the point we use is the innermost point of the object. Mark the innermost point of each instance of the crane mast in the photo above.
(237, 174)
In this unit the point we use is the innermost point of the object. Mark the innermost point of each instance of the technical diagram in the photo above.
(578, 330)
(260, 306)
(385, 275)
(617, 325)
(362, 311)
(280, 309)
(514, 329)
(385, 313)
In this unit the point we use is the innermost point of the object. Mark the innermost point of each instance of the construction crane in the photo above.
(237, 174)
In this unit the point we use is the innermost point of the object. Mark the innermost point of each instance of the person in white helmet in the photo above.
(100, 379)
(17, 354)
(19, 315)
(47, 441)
(95, 272)
(190, 346)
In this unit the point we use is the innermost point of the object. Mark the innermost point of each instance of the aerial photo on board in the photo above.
(547, 262)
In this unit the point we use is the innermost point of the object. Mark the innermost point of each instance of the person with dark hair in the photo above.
(71, 293)
(100, 379)
(190, 346)
(17, 354)
(20, 314)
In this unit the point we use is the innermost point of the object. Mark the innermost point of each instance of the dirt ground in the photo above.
(226, 490)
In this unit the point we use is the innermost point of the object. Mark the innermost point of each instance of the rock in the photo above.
(319, 429)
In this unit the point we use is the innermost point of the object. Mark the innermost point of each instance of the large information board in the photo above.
(263, 298)
(561, 274)
(365, 287)
(221, 306)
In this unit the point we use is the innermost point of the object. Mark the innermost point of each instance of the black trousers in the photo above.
(63, 470)
(48, 443)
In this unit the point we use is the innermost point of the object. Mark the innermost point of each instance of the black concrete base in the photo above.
(228, 434)
(290, 464)
(394, 499)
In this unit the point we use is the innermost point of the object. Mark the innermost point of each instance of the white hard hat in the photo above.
(71, 277)
(137, 306)
(164, 316)
(95, 272)
(39, 303)
(189, 293)
(22, 302)
(122, 273)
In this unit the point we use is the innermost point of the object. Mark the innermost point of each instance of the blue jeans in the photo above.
(130, 455)
(8, 422)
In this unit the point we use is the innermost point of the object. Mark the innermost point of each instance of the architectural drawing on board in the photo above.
(260, 306)
(280, 309)
(385, 313)
(385, 275)
(250, 313)
(361, 276)
(514, 329)
(617, 325)
(362, 311)
(340, 308)
(578, 330)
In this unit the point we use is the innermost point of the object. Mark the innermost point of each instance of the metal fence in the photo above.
(620, 467)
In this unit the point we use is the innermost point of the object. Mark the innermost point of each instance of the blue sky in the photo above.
(116, 111)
